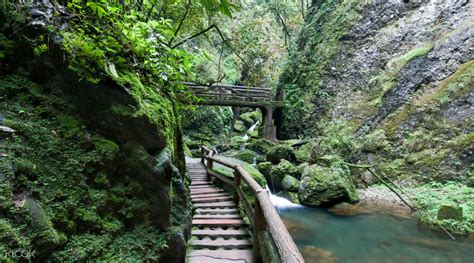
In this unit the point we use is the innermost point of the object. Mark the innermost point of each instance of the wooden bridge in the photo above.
(240, 96)
(220, 234)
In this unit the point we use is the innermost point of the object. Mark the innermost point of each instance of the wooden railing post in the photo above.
(210, 165)
(237, 184)
(259, 226)
(203, 152)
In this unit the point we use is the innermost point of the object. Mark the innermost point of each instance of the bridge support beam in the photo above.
(269, 129)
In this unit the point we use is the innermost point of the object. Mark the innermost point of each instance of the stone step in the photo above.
(218, 216)
(216, 205)
(220, 233)
(212, 199)
(219, 222)
(219, 256)
(216, 211)
(226, 244)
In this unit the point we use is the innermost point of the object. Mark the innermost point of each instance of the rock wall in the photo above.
(87, 171)
(389, 82)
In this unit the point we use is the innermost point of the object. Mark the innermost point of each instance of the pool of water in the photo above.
(325, 237)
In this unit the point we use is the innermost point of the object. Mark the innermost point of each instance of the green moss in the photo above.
(429, 198)
(106, 148)
(319, 41)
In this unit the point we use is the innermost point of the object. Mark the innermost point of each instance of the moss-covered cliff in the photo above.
(396, 76)
(90, 169)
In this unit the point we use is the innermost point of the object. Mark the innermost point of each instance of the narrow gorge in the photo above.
(125, 125)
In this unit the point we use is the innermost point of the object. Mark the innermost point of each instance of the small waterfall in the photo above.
(246, 136)
(280, 202)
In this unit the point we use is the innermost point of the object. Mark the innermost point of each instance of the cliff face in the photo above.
(88, 171)
(392, 81)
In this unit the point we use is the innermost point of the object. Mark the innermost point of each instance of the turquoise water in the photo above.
(324, 237)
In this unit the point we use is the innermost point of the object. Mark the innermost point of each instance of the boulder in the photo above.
(261, 146)
(301, 167)
(290, 183)
(265, 168)
(240, 127)
(250, 118)
(303, 153)
(450, 212)
(244, 155)
(325, 186)
(278, 172)
(248, 122)
(260, 159)
(277, 153)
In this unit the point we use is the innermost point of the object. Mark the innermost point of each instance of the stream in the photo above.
(324, 237)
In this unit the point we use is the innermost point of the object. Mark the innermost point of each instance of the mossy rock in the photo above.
(240, 127)
(303, 153)
(261, 146)
(236, 142)
(45, 237)
(450, 212)
(301, 167)
(290, 183)
(291, 196)
(254, 115)
(260, 159)
(326, 186)
(265, 168)
(244, 155)
(247, 119)
(280, 152)
(278, 172)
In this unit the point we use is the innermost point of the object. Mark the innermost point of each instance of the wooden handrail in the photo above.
(263, 217)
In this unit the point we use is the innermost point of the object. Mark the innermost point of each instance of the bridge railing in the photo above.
(263, 217)
(222, 92)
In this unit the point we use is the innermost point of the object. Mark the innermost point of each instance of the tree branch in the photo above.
(180, 22)
(205, 31)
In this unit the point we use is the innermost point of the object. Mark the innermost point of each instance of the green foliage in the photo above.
(318, 43)
(430, 197)
(83, 207)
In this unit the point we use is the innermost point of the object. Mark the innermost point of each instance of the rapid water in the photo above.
(325, 237)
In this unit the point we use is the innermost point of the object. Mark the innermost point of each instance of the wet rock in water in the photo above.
(314, 254)
(303, 152)
(291, 196)
(284, 168)
(346, 209)
(277, 153)
(294, 227)
(450, 212)
(323, 186)
(290, 183)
